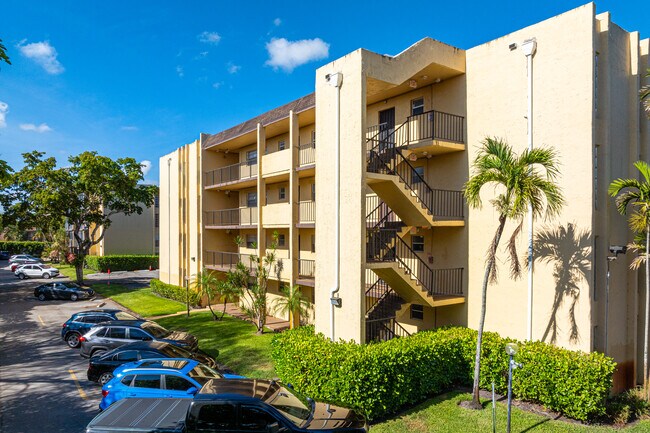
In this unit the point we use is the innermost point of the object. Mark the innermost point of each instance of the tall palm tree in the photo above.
(520, 181)
(637, 193)
(293, 303)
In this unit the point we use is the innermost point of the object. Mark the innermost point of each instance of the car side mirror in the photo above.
(192, 390)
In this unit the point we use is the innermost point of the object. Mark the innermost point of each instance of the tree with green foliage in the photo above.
(636, 193)
(85, 193)
(644, 95)
(521, 182)
(3, 54)
(206, 284)
(293, 303)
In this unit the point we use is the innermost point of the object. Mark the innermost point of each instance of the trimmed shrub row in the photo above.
(19, 247)
(177, 293)
(379, 379)
(121, 262)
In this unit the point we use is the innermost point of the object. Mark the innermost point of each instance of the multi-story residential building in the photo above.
(398, 250)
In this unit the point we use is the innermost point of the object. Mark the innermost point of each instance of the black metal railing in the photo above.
(226, 260)
(307, 153)
(381, 301)
(231, 217)
(307, 212)
(231, 173)
(384, 330)
(306, 268)
(435, 125)
(381, 215)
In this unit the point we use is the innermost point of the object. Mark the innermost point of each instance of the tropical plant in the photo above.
(644, 95)
(3, 53)
(205, 284)
(637, 193)
(521, 182)
(293, 303)
(228, 292)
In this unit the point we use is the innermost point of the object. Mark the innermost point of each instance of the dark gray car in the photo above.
(111, 335)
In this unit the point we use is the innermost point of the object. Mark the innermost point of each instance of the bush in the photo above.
(121, 262)
(177, 293)
(379, 379)
(628, 406)
(19, 247)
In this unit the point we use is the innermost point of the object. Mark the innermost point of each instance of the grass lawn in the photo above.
(239, 348)
(141, 301)
(442, 414)
(69, 271)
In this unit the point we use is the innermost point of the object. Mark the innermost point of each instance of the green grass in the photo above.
(69, 270)
(141, 301)
(239, 348)
(442, 414)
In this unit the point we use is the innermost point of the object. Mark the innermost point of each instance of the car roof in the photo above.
(135, 323)
(182, 365)
(185, 366)
(239, 388)
(97, 311)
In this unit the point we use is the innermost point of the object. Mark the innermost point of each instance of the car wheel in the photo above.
(21, 276)
(46, 276)
(41, 296)
(105, 378)
(72, 339)
(73, 297)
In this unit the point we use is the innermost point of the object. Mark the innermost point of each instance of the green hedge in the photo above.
(379, 379)
(28, 247)
(121, 262)
(177, 293)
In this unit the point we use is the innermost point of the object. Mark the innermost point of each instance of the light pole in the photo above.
(616, 250)
(511, 350)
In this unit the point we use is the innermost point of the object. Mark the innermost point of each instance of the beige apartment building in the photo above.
(389, 247)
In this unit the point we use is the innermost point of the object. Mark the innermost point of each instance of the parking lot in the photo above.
(43, 385)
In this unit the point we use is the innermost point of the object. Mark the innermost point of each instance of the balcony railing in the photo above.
(307, 212)
(231, 173)
(225, 260)
(246, 216)
(306, 268)
(307, 153)
(384, 330)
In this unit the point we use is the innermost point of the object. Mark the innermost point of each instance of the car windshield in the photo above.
(175, 352)
(156, 330)
(202, 373)
(292, 405)
(121, 315)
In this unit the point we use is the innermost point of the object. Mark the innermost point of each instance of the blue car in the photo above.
(80, 323)
(159, 378)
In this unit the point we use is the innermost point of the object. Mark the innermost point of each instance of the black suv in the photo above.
(110, 335)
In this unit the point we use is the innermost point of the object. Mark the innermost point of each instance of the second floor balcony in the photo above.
(239, 175)
(230, 218)
(306, 213)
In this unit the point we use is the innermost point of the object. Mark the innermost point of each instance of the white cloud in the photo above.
(232, 68)
(36, 128)
(288, 55)
(180, 71)
(43, 54)
(217, 85)
(129, 128)
(209, 38)
(4, 109)
(146, 166)
(277, 22)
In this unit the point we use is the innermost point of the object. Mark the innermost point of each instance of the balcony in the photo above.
(225, 261)
(236, 176)
(230, 218)
(306, 214)
(306, 272)
(307, 154)
(277, 215)
(277, 164)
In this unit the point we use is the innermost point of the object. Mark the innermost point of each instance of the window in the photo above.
(157, 221)
(417, 243)
(176, 383)
(313, 243)
(251, 241)
(119, 333)
(281, 145)
(215, 417)
(596, 82)
(157, 243)
(100, 332)
(596, 177)
(417, 312)
(417, 106)
(97, 319)
(251, 199)
(281, 240)
(147, 381)
(138, 334)
(127, 356)
(254, 419)
(251, 156)
(418, 174)
(127, 380)
(156, 201)
(313, 138)
(313, 192)
(282, 193)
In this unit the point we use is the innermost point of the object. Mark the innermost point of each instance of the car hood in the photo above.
(183, 338)
(330, 417)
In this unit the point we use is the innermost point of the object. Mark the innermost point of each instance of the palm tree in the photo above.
(228, 291)
(637, 193)
(292, 303)
(205, 283)
(521, 182)
(645, 95)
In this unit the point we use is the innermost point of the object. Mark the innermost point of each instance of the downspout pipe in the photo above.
(529, 47)
(335, 80)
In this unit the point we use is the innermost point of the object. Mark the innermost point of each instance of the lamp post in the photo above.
(616, 250)
(511, 350)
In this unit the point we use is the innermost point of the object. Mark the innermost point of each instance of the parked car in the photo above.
(4, 255)
(64, 290)
(234, 405)
(24, 258)
(36, 270)
(159, 378)
(80, 323)
(101, 367)
(111, 335)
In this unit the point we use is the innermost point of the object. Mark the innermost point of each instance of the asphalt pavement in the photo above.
(43, 385)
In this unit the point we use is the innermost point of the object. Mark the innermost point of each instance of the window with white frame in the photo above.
(417, 243)
(281, 145)
(282, 193)
(417, 106)
(251, 199)
(417, 312)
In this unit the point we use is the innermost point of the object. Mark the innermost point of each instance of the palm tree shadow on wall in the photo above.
(568, 250)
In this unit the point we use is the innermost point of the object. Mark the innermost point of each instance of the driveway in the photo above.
(43, 385)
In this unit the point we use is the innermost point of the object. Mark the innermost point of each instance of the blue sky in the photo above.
(142, 78)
